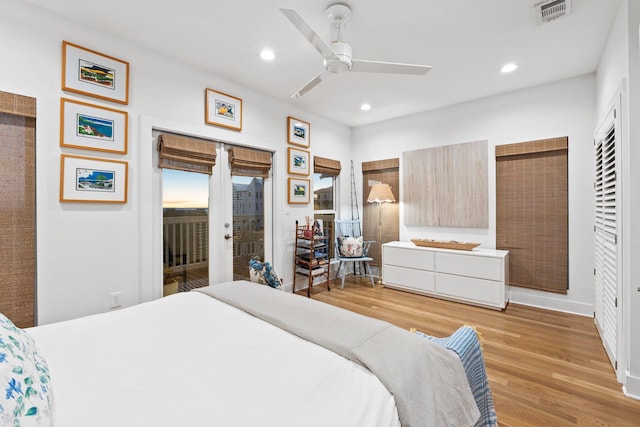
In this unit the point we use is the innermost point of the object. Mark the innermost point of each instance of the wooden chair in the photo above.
(351, 249)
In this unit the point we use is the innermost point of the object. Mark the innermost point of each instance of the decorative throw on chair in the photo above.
(350, 247)
(466, 344)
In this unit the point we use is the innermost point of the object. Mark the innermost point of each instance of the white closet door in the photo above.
(606, 269)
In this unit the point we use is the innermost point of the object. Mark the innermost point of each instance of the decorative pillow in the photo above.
(263, 273)
(25, 389)
(350, 246)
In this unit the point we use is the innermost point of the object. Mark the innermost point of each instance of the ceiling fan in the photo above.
(337, 54)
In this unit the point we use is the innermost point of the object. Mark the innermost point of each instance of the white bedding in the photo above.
(191, 360)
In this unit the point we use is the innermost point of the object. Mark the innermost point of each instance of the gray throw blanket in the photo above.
(426, 380)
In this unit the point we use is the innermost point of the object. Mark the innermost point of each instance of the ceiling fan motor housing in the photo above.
(343, 61)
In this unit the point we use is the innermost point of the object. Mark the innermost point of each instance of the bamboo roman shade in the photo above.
(249, 162)
(186, 153)
(380, 165)
(17, 208)
(532, 212)
(326, 166)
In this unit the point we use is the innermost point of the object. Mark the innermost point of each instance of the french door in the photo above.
(214, 224)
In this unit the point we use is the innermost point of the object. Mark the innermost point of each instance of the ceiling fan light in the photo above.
(337, 66)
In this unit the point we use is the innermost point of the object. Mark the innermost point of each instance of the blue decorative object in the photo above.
(265, 272)
(465, 342)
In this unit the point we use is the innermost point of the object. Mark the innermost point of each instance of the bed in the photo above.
(235, 354)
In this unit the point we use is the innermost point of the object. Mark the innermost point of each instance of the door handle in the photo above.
(228, 236)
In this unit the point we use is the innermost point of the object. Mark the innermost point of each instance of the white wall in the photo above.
(565, 108)
(87, 251)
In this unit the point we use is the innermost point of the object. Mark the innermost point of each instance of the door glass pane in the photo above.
(248, 223)
(185, 230)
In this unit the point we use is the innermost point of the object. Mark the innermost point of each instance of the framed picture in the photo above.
(93, 127)
(299, 132)
(92, 73)
(298, 161)
(223, 110)
(299, 191)
(88, 179)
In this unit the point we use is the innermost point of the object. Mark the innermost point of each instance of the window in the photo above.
(325, 172)
(532, 212)
(323, 193)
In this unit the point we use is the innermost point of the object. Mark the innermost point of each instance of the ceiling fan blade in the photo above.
(313, 83)
(360, 66)
(308, 33)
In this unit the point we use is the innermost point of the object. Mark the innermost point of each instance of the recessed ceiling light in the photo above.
(267, 55)
(365, 107)
(508, 68)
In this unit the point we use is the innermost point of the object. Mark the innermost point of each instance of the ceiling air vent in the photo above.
(552, 9)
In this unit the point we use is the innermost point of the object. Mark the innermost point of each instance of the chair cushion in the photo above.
(350, 247)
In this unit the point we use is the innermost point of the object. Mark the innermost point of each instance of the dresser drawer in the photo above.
(420, 280)
(481, 267)
(470, 289)
(417, 259)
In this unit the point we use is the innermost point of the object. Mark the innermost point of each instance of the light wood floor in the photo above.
(545, 368)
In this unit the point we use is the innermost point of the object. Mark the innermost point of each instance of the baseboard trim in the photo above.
(549, 303)
(631, 388)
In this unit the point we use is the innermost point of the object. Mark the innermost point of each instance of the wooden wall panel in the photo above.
(447, 186)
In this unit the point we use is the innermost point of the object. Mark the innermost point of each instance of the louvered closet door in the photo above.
(606, 232)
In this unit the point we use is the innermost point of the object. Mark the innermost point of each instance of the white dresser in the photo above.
(478, 277)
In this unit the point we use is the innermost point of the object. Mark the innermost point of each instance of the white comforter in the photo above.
(190, 360)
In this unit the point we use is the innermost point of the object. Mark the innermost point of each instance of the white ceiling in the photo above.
(465, 41)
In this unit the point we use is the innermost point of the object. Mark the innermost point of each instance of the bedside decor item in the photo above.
(223, 110)
(445, 244)
(92, 127)
(299, 191)
(92, 73)
(298, 161)
(299, 132)
(89, 179)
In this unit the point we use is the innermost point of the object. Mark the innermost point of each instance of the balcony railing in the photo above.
(186, 242)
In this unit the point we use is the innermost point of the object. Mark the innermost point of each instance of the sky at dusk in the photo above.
(191, 190)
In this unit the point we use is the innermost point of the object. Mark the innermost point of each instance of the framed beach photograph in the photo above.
(299, 132)
(223, 110)
(93, 180)
(93, 127)
(92, 73)
(299, 191)
(298, 161)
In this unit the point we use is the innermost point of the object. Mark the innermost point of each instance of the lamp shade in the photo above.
(381, 193)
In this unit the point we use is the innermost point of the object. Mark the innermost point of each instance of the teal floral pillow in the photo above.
(25, 388)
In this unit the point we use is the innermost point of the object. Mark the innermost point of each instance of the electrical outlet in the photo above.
(115, 299)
